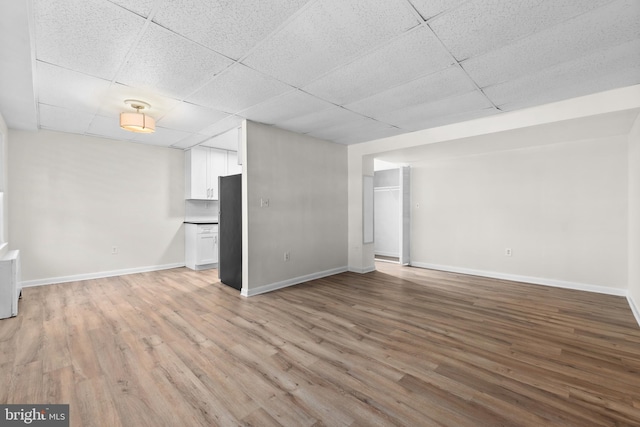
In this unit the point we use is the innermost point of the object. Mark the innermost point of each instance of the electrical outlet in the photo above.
(264, 203)
(114, 250)
(507, 251)
(287, 256)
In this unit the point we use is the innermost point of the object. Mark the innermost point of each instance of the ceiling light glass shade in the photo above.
(137, 122)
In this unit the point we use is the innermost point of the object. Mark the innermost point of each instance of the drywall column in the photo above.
(361, 258)
(296, 207)
(634, 219)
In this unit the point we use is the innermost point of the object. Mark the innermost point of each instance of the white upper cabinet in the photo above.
(196, 166)
(217, 167)
(203, 166)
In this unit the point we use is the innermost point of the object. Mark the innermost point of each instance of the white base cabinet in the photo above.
(201, 246)
(10, 285)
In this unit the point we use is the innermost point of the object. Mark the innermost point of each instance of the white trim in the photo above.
(634, 308)
(99, 275)
(526, 279)
(290, 282)
(364, 270)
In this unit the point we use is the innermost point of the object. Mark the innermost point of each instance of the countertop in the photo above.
(201, 221)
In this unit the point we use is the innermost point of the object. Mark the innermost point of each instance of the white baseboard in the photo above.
(635, 309)
(99, 275)
(390, 254)
(525, 279)
(290, 282)
(362, 270)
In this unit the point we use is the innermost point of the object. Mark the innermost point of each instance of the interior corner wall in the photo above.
(561, 209)
(74, 197)
(634, 217)
(305, 181)
(4, 155)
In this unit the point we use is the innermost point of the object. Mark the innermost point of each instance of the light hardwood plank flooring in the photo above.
(400, 347)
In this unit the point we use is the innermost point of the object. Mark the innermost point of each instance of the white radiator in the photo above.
(10, 286)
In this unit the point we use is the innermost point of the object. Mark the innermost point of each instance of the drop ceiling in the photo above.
(347, 71)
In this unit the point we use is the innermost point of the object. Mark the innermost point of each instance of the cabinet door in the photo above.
(233, 168)
(207, 249)
(217, 167)
(197, 164)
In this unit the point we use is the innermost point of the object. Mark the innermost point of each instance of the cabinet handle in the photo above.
(216, 239)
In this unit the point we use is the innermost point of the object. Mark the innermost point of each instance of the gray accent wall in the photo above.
(304, 180)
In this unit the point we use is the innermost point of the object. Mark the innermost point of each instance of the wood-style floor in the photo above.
(399, 346)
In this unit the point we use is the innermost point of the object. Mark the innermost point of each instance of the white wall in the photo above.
(561, 208)
(72, 198)
(305, 180)
(634, 218)
(361, 155)
(601, 115)
(4, 180)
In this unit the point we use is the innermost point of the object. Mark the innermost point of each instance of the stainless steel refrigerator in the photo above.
(230, 230)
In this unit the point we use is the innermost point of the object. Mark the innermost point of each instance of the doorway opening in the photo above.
(391, 212)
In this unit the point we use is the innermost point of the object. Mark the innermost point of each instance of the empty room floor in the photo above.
(399, 346)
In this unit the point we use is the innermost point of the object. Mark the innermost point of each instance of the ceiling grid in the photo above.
(347, 72)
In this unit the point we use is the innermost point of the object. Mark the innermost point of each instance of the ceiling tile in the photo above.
(113, 102)
(430, 8)
(608, 26)
(222, 126)
(141, 7)
(162, 137)
(416, 116)
(229, 27)
(369, 134)
(69, 89)
(352, 129)
(413, 54)
(226, 141)
(479, 26)
(333, 116)
(443, 84)
(89, 36)
(190, 141)
(63, 119)
(602, 70)
(109, 127)
(287, 106)
(238, 88)
(457, 117)
(327, 34)
(170, 64)
(190, 117)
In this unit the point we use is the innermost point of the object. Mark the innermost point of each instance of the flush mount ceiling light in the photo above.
(138, 121)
